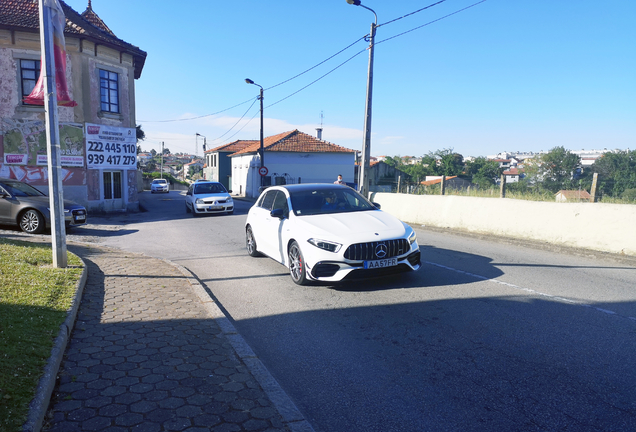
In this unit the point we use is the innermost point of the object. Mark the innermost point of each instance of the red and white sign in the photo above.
(263, 171)
(110, 147)
(15, 159)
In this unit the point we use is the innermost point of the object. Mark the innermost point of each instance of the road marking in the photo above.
(531, 291)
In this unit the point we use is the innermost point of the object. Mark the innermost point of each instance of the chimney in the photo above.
(319, 133)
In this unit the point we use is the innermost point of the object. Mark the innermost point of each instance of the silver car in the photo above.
(159, 185)
(25, 206)
(206, 197)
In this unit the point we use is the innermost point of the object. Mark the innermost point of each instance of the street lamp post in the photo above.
(204, 143)
(363, 178)
(261, 150)
(204, 147)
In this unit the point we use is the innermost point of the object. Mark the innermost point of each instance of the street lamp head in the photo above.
(249, 81)
(354, 2)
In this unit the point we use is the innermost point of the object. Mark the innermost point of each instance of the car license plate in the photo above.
(80, 217)
(381, 263)
(215, 208)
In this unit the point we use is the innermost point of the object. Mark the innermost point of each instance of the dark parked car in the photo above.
(25, 206)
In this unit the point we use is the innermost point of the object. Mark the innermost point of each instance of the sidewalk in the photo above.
(150, 351)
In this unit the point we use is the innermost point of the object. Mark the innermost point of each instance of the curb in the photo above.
(40, 402)
(292, 417)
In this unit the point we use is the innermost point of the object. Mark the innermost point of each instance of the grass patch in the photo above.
(34, 300)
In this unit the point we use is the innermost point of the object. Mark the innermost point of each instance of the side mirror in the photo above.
(277, 213)
(376, 205)
(230, 191)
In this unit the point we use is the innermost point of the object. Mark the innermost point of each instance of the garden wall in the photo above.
(596, 226)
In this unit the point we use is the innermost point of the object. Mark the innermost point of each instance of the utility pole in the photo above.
(56, 199)
(161, 159)
(363, 182)
(593, 190)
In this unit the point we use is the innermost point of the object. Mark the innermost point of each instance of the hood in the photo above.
(221, 195)
(43, 201)
(360, 226)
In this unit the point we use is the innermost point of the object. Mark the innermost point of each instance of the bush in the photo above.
(170, 178)
(629, 194)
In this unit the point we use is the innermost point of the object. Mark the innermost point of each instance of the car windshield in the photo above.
(209, 188)
(325, 201)
(20, 189)
(160, 181)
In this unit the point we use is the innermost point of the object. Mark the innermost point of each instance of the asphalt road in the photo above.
(487, 336)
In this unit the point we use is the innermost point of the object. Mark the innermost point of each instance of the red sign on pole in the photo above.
(263, 171)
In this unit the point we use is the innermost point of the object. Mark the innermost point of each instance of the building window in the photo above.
(29, 74)
(112, 185)
(109, 91)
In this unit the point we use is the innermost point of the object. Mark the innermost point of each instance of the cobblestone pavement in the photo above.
(146, 355)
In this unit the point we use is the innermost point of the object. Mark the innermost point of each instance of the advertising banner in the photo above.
(110, 147)
(15, 159)
(25, 143)
(66, 161)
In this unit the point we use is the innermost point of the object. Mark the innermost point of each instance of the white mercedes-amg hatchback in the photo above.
(329, 232)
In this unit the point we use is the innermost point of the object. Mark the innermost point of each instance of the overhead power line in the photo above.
(412, 13)
(322, 62)
(269, 88)
(431, 22)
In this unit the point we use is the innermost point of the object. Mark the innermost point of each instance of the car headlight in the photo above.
(199, 201)
(412, 237)
(229, 199)
(325, 244)
(65, 210)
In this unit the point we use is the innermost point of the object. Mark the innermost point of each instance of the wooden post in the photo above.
(502, 191)
(443, 184)
(398, 186)
(593, 190)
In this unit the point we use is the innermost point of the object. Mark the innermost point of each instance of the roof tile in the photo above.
(294, 141)
(24, 15)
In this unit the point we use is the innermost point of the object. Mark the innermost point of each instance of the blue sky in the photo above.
(504, 75)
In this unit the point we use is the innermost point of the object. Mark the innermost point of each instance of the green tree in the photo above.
(450, 163)
(555, 170)
(394, 161)
(485, 173)
(429, 162)
(153, 152)
(151, 166)
(616, 172)
(141, 135)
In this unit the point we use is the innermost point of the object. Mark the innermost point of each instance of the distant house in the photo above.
(218, 164)
(144, 157)
(196, 165)
(503, 163)
(573, 196)
(290, 157)
(513, 175)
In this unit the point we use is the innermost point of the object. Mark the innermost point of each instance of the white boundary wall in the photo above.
(596, 226)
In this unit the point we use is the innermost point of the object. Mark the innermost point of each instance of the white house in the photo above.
(290, 157)
(513, 175)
